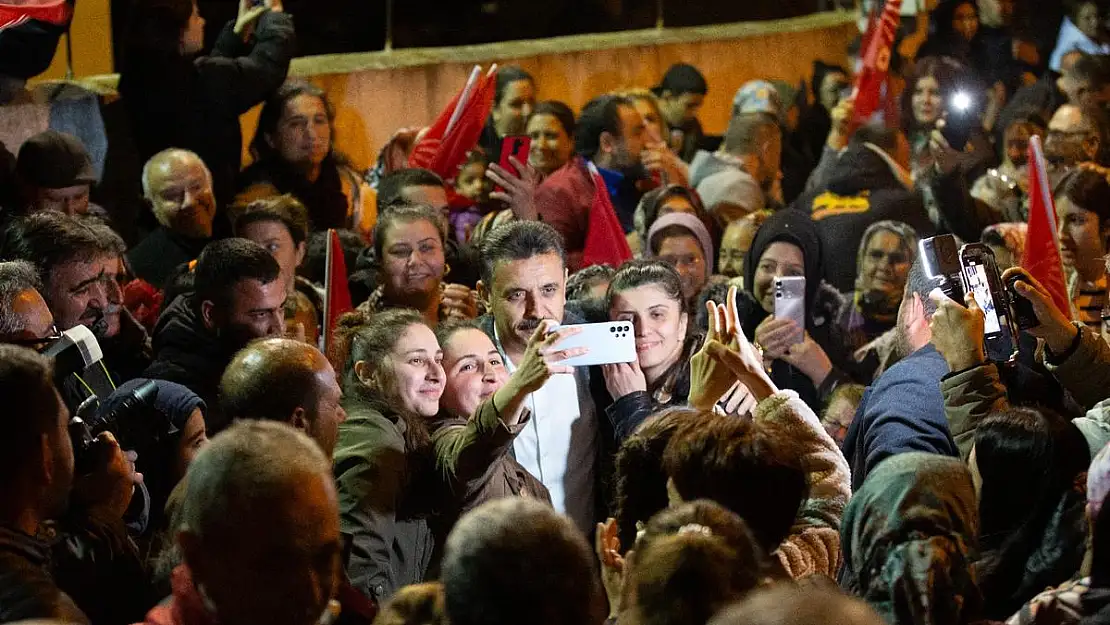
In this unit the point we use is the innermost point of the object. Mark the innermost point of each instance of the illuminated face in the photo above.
(780, 259)
(551, 145)
(413, 260)
(475, 371)
(303, 134)
(927, 102)
(659, 321)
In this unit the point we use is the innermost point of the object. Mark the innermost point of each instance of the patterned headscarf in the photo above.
(909, 537)
(1098, 481)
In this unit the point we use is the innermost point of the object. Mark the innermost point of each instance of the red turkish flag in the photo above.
(1042, 244)
(337, 293)
(456, 130)
(878, 47)
(56, 12)
(605, 242)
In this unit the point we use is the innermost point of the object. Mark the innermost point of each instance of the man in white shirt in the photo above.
(523, 266)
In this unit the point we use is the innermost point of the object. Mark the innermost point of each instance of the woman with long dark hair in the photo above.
(649, 295)
(177, 98)
(294, 152)
(1087, 596)
(1026, 463)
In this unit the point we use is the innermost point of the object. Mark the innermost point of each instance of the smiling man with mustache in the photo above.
(79, 262)
(563, 446)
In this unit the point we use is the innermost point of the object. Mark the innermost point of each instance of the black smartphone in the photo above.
(940, 256)
(962, 114)
(981, 277)
(1024, 315)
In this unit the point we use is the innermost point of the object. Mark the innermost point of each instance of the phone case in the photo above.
(610, 342)
(940, 256)
(790, 302)
(517, 146)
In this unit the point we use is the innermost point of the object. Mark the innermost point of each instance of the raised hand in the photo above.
(458, 301)
(958, 331)
(709, 378)
(542, 357)
(249, 12)
(519, 190)
(607, 545)
(107, 491)
(624, 378)
(1055, 326)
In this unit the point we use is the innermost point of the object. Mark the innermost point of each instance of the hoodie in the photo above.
(727, 191)
(865, 186)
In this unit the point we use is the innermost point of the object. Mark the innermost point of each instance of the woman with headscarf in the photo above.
(910, 536)
(682, 240)
(788, 245)
(670, 198)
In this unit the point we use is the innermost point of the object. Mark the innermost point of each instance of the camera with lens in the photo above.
(133, 421)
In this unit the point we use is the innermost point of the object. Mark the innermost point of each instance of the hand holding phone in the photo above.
(1053, 325)
(790, 303)
(605, 343)
(940, 257)
(547, 354)
(957, 331)
(516, 146)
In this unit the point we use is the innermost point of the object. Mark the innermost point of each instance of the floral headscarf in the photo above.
(909, 536)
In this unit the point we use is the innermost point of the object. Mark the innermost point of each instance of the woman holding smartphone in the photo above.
(804, 357)
(399, 482)
(649, 293)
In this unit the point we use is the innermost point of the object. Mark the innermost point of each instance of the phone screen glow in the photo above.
(977, 280)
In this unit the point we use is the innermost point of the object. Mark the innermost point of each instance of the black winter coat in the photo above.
(824, 312)
(188, 353)
(862, 190)
(195, 104)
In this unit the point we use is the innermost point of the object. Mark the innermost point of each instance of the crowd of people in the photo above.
(437, 457)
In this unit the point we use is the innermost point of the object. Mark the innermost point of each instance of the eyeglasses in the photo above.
(38, 344)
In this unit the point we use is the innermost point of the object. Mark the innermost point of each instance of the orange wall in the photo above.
(92, 42)
(373, 102)
(377, 92)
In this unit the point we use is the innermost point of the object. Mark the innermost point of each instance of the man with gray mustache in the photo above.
(567, 441)
(79, 264)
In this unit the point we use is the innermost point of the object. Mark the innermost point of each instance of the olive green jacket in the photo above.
(1084, 370)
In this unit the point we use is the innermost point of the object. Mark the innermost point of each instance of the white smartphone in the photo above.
(790, 302)
(610, 342)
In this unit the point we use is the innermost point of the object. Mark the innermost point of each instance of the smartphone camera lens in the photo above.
(612, 328)
(778, 294)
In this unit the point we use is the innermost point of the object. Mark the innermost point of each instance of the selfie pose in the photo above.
(398, 482)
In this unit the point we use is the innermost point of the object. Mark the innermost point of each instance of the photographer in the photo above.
(1077, 356)
(164, 423)
(94, 564)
